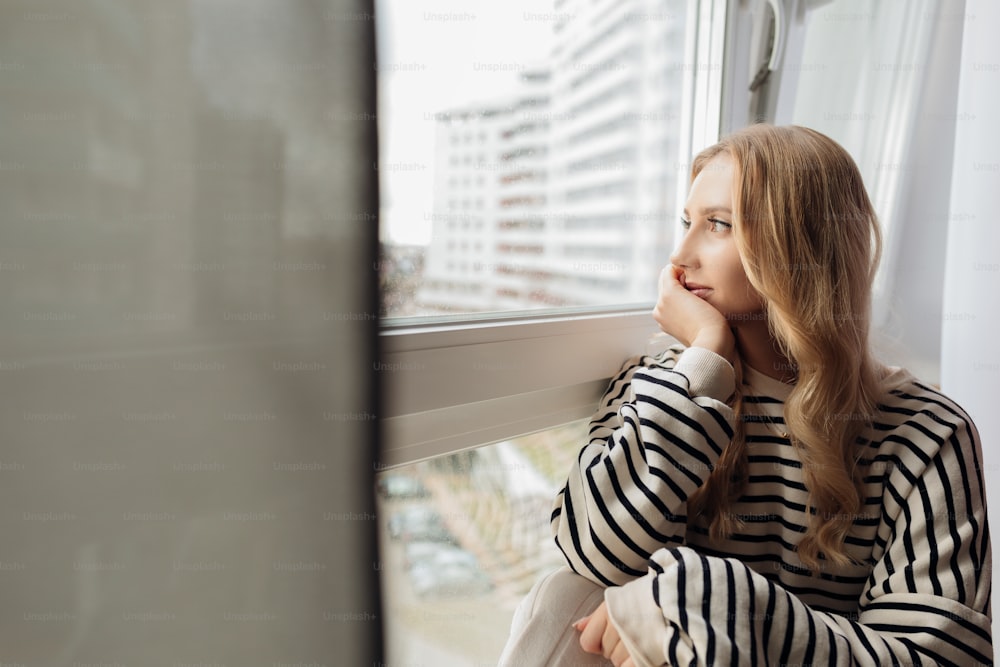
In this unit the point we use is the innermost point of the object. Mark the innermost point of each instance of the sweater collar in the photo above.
(764, 385)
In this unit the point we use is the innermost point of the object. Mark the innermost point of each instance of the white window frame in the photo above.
(449, 386)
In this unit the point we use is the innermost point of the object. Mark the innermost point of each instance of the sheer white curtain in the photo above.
(880, 79)
(861, 72)
(970, 358)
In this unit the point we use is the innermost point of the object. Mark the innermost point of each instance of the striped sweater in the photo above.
(918, 595)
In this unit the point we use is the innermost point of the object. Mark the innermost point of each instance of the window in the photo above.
(560, 295)
(463, 538)
(523, 342)
(554, 136)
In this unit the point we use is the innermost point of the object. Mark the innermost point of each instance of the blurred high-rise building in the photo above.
(616, 92)
(489, 199)
(456, 274)
(562, 193)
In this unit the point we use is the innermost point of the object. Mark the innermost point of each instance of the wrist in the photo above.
(717, 339)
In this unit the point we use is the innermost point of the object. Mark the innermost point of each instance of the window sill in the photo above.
(452, 387)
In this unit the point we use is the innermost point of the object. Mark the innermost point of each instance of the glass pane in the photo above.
(463, 538)
(529, 152)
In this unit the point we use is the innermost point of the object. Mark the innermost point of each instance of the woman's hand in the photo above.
(689, 318)
(600, 637)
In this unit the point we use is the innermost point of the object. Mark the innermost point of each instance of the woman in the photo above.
(766, 492)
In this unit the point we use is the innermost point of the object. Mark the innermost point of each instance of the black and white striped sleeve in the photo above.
(626, 494)
(927, 601)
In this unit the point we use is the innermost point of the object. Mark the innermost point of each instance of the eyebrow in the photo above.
(708, 210)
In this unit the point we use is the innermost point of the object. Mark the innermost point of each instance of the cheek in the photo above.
(731, 270)
(739, 290)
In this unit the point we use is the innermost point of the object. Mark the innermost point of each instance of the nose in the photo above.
(685, 254)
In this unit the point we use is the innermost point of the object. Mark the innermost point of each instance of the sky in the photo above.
(436, 55)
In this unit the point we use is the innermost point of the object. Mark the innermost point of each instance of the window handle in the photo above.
(760, 77)
(777, 45)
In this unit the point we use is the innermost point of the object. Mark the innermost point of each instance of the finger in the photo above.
(668, 276)
(610, 639)
(581, 624)
(678, 274)
(619, 655)
(590, 636)
(671, 279)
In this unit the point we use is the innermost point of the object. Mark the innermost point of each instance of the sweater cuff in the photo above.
(708, 373)
(639, 621)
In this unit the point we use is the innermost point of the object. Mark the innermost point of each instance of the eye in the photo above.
(685, 223)
(719, 225)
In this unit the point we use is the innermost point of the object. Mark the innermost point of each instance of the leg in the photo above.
(541, 634)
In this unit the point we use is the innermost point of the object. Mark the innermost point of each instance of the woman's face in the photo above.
(707, 252)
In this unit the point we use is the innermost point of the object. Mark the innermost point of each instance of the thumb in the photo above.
(581, 624)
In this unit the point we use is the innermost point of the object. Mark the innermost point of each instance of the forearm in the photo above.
(694, 609)
(718, 340)
(626, 496)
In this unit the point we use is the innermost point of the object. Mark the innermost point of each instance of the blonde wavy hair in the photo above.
(810, 244)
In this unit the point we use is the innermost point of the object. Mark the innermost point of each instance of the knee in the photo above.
(542, 632)
(567, 581)
(565, 593)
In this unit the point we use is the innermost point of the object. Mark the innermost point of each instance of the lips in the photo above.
(698, 290)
